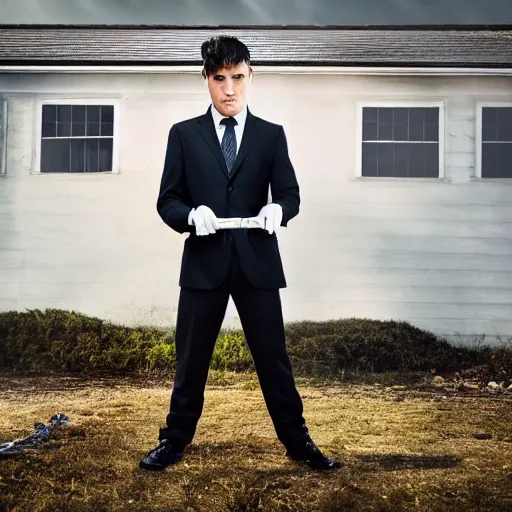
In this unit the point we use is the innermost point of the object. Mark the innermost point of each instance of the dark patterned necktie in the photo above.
(228, 144)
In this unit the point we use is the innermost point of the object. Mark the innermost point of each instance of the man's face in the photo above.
(228, 88)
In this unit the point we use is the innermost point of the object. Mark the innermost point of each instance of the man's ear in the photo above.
(205, 79)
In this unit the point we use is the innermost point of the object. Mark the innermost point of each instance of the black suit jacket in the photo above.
(195, 174)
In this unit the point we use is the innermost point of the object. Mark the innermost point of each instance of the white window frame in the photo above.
(5, 128)
(77, 101)
(478, 138)
(398, 104)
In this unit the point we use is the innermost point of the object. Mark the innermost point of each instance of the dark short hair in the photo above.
(220, 51)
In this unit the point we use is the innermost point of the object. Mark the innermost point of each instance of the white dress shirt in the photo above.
(239, 128)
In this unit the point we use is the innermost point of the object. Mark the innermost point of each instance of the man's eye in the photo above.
(219, 78)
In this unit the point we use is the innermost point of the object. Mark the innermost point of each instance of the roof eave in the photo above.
(317, 68)
(422, 27)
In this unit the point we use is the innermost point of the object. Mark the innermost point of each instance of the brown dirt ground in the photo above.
(403, 448)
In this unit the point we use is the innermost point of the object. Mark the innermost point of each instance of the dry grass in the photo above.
(403, 449)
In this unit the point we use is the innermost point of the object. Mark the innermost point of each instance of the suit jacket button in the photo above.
(230, 189)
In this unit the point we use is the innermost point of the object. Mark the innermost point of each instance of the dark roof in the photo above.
(334, 46)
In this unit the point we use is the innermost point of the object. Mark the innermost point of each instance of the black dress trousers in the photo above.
(199, 319)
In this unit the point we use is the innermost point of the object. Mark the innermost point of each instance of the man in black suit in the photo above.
(220, 165)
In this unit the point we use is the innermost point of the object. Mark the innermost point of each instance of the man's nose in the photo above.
(228, 87)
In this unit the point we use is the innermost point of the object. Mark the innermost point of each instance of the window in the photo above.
(77, 137)
(494, 142)
(400, 141)
(3, 136)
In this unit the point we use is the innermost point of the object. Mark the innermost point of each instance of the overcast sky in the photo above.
(253, 12)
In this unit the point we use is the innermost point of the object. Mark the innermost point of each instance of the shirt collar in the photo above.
(218, 117)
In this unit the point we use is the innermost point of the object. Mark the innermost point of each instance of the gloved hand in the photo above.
(204, 220)
(273, 215)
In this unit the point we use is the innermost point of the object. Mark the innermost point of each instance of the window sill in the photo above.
(403, 179)
(491, 180)
(36, 173)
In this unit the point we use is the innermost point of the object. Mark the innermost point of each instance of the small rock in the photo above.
(482, 435)
(493, 385)
(438, 380)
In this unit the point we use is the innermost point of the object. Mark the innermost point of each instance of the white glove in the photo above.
(204, 220)
(272, 215)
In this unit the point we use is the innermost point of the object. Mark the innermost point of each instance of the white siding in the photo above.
(3, 135)
(437, 253)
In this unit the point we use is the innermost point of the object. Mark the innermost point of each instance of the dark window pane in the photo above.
(91, 155)
(416, 132)
(385, 132)
(77, 155)
(401, 116)
(78, 113)
(431, 132)
(417, 157)
(55, 155)
(490, 160)
(63, 129)
(401, 159)
(385, 116)
(505, 116)
(369, 167)
(370, 115)
(417, 116)
(489, 116)
(63, 113)
(385, 159)
(505, 160)
(369, 131)
(77, 129)
(400, 132)
(49, 130)
(93, 129)
(432, 160)
(107, 129)
(489, 133)
(49, 113)
(432, 115)
(107, 114)
(505, 133)
(93, 114)
(105, 163)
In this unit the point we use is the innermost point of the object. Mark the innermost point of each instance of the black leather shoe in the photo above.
(159, 458)
(305, 450)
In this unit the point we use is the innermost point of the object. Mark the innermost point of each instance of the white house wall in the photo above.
(434, 252)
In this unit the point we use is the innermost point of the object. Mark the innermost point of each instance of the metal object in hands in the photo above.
(241, 222)
(43, 433)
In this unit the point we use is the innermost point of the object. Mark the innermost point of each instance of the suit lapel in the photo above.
(207, 131)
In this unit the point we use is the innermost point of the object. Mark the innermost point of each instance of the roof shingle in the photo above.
(282, 46)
